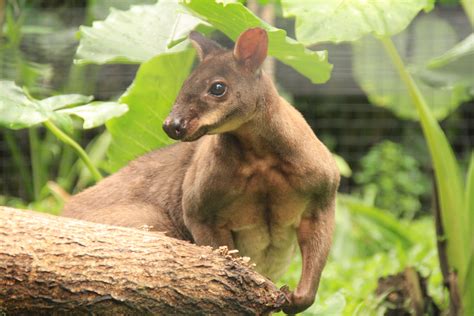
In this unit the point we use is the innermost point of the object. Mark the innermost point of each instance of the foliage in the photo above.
(150, 97)
(453, 68)
(322, 21)
(13, 63)
(233, 18)
(456, 215)
(144, 31)
(388, 90)
(42, 72)
(351, 274)
(171, 22)
(17, 110)
(343, 166)
(400, 194)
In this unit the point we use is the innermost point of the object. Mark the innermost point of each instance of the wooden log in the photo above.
(54, 265)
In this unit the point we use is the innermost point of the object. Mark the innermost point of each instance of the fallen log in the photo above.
(54, 265)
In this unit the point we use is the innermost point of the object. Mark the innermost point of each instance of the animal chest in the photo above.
(264, 213)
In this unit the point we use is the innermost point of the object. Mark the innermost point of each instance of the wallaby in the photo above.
(249, 174)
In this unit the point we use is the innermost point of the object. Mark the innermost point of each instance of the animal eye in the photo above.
(218, 89)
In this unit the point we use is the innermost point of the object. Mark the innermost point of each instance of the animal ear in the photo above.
(251, 48)
(203, 45)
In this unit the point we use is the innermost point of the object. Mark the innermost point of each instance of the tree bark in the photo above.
(53, 265)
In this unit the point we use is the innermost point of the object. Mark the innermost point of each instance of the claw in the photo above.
(285, 297)
(286, 291)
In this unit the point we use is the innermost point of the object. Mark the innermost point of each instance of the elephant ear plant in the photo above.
(318, 21)
(19, 110)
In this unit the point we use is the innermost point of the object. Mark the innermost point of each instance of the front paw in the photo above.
(296, 303)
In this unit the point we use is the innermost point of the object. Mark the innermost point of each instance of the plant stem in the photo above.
(77, 148)
(430, 126)
(468, 6)
(445, 167)
(67, 171)
(35, 161)
(20, 163)
(406, 77)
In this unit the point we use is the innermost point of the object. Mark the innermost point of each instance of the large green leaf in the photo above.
(64, 100)
(96, 113)
(348, 20)
(234, 18)
(99, 9)
(149, 98)
(453, 68)
(135, 35)
(381, 82)
(462, 49)
(17, 110)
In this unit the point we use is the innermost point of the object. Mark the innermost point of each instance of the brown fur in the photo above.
(255, 177)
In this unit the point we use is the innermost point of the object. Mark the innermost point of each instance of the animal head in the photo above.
(224, 90)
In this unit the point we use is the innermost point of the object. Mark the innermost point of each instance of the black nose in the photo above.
(175, 128)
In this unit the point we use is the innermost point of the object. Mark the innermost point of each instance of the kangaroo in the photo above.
(249, 173)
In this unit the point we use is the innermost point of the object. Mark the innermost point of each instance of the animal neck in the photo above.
(262, 134)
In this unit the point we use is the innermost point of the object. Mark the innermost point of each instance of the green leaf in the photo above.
(135, 35)
(96, 113)
(381, 82)
(334, 305)
(64, 122)
(149, 98)
(468, 6)
(96, 150)
(17, 110)
(462, 49)
(453, 68)
(15, 67)
(343, 166)
(383, 219)
(99, 9)
(447, 173)
(470, 201)
(61, 101)
(233, 18)
(337, 21)
(468, 290)
(450, 190)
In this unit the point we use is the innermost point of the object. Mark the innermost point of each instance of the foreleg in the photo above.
(314, 238)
